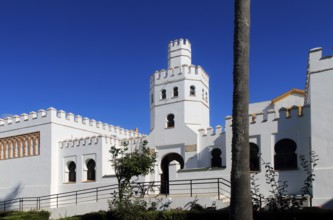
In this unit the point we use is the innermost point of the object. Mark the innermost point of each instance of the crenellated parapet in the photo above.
(178, 73)
(210, 131)
(179, 53)
(283, 113)
(90, 141)
(19, 119)
(99, 139)
(78, 119)
(51, 114)
(179, 43)
(317, 63)
(80, 142)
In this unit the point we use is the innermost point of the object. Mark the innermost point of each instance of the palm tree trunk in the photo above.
(240, 204)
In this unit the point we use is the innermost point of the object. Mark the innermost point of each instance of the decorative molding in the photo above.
(24, 145)
(190, 148)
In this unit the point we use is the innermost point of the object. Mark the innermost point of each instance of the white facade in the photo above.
(38, 149)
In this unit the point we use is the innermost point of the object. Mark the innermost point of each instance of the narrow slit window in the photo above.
(91, 174)
(192, 90)
(170, 121)
(175, 92)
(72, 172)
(163, 94)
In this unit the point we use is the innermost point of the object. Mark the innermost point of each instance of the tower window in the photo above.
(170, 121)
(175, 92)
(152, 98)
(254, 157)
(192, 90)
(163, 94)
(203, 94)
(72, 172)
(91, 174)
(285, 157)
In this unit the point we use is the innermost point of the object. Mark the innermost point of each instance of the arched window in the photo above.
(170, 121)
(72, 172)
(91, 174)
(254, 157)
(152, 98)
(285, 157)
(175, 92)
(216, 158)
(163, 94)
(192, 90)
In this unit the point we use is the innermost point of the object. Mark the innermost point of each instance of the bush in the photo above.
(95, 215)
(304, 214)
(30, 215)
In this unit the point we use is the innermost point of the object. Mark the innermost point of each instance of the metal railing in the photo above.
(193, 187)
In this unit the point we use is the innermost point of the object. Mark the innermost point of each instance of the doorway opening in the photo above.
(165, 170)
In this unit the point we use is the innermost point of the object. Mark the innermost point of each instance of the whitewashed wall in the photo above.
(320, 78)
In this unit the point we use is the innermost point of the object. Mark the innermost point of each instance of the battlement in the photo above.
(210, 131)
(20, 119)
(272, 115)
(179, 53)
(98, 140)
(52, 115)
(178, 73)
(78, 119)
(80, 142)
(317, 62)
(179, 43)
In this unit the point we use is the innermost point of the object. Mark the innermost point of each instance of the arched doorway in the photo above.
(165, 170)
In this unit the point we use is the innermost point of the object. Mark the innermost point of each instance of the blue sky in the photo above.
(94, 58)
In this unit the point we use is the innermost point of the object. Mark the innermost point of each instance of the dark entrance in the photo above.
(165, 170)
(91, 174)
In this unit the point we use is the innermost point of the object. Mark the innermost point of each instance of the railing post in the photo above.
(96, 194)
(76, 197)
(310, 200)
(21, 204)
(191, 187)
(218, 188)
(57, 200)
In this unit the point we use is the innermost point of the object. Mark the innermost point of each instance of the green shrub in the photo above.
(222, 214)
(29, 215)
(71, 218)
(101, 215)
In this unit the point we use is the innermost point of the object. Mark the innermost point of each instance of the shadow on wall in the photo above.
(192, 162)
(13, 194)
(328, 205)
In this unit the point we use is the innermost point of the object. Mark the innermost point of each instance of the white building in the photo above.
(51, 151)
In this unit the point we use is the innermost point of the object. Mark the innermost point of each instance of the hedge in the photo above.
(304, 214)
(30, 215)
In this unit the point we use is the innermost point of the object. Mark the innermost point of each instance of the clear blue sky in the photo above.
(94, 58)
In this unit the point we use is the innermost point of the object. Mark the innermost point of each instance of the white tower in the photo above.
(179, 96)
